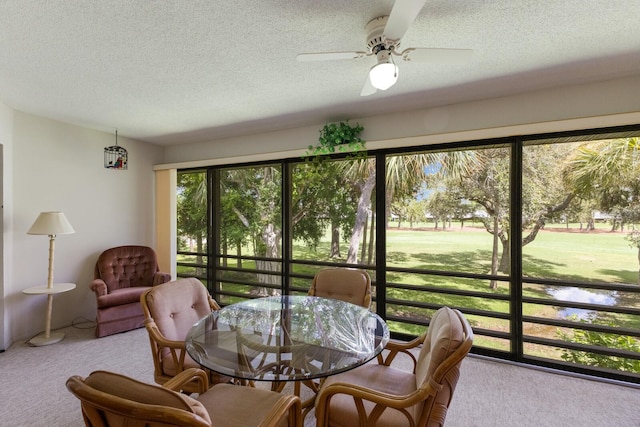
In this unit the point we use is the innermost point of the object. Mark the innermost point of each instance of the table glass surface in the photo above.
(287, 338)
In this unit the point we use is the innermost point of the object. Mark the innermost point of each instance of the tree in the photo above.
(322, 196)
(603, 340)
(442, 204)
(485, 181)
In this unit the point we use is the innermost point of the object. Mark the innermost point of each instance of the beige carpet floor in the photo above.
(489, 394)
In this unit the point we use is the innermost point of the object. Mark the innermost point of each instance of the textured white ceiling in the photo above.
(177, 71)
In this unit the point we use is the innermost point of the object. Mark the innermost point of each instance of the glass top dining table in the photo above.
(286, 338)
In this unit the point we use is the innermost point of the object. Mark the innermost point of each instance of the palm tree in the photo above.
(403, 176)
(608, 171)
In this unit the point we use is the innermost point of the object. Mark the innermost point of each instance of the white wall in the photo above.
(522, 113)
(6, 169)
(57, 166)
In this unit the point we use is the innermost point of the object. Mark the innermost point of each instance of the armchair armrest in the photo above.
(160, 278)
(191, 375)
(99, 287)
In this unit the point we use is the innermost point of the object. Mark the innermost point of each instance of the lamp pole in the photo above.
(47, 328)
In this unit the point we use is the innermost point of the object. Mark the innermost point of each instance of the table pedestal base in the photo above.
(40, 340)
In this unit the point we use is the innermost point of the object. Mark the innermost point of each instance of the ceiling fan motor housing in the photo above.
(375, 35)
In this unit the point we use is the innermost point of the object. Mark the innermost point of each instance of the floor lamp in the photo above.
(50, 224)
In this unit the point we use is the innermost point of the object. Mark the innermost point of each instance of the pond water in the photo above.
(574, 294)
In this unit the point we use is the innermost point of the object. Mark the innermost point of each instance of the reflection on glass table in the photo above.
(287, 338)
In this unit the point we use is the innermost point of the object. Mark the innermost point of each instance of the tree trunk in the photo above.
(387, 208)
(270, 236)
(225, 248)
(361, 218)
(335, 241)
(363, 254)
(505, 258)
(199, 270)
(239, 253)
(639, 263)
(493, 285)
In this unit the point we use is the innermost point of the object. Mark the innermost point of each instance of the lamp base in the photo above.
(40, 340)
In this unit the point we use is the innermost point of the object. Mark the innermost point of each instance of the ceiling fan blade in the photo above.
(329, 56)
(437, 56)
(402, 15)
(368, 88)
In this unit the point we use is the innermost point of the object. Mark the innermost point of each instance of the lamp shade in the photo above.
(51, 224)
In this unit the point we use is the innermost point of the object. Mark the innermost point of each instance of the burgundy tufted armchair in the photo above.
(121, 275)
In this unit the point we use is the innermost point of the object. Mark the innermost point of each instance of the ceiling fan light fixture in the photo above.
(383, 75)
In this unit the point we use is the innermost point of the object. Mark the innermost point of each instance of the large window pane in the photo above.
(192, 199)
(448, 239)
(332, 216)
(449, 211)
(248, 216)
(581, 211)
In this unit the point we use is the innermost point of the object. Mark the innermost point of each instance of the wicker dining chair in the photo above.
(110, 399)
(377, 394)
(170, 310)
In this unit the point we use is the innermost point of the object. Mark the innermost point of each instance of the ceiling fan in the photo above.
(383, 41)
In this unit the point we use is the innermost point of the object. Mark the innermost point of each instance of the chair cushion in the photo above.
(444, 336)
(373, 376)
(350, 285)
(176, 306)
(233, 406)
(121, 296)
(130, 389)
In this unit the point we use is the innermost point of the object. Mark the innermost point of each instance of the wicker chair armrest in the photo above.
(395, 347)
(286, 404)
(359, 393)
(189, 376)
(213, 304)
(157, 336)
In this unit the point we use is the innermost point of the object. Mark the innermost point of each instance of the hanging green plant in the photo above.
(340, 137)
